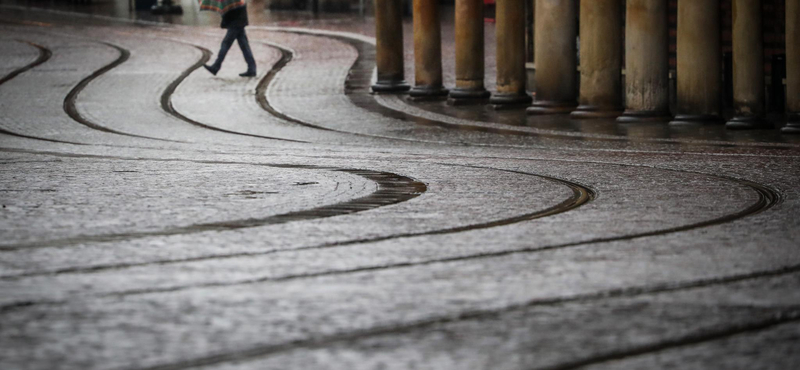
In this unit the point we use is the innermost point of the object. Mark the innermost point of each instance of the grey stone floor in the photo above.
(157, 217)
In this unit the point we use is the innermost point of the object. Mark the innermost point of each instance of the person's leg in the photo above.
(248, 54)
(227, 41)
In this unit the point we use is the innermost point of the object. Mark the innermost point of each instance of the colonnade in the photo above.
(597, 91)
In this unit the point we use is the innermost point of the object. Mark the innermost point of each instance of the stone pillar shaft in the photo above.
(646, 61)
(389, 46)
(555, 56)
(510, 18)
(601, 59)
(748, 65)
(699, 62)
(469, 52)
(427, 50)
(793, 65)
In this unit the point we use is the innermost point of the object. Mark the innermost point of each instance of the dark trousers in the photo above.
(236, 33)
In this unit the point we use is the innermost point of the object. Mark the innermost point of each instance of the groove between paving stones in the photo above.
(392, 189)
(69, 101)
(166, 100)
(699, 337)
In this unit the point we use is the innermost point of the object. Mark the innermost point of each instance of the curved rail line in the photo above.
(369, 101)
(581, 194)
(431, 323)
(405, 116)
(262, 99)
(69, 101)
(358, 90)
(767, 198)
(261, 89)
(782, 317)
(166, 100)
(392, 189)
(44, 55)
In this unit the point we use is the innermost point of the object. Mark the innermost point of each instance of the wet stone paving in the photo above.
(157, 217)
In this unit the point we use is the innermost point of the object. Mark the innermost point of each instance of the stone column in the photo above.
(555, 56)
(748, 66)
(699, 63)
(427, 51)
(469, 53)
(510, 18)
(601, 59)
(646, 61)
(389, 46)
(793, 66)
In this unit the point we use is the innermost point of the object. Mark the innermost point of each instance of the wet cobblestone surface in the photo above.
(157, 217)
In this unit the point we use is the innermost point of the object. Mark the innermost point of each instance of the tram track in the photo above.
(70, 106)
(44, 56)
(781, 317)
(581, 194)
(767, 198)
(358, 90)
(166, 100)
(370, 104)
(70, 100)
(392, 189)
(356, 84)
(287, 55)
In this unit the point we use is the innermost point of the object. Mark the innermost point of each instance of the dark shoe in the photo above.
(248, 74)
(211, 69)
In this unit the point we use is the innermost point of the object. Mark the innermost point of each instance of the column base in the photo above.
(644, 116)
(468, 96)
(695, 120)
(382, 87)
(595, 112)
(792, 125)
(749, 123)
(542, 107)
(509, 101)
(425, 93)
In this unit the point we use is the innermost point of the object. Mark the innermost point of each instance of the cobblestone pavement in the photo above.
(157, 217)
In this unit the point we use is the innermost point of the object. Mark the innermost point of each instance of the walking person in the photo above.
(234, 19)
